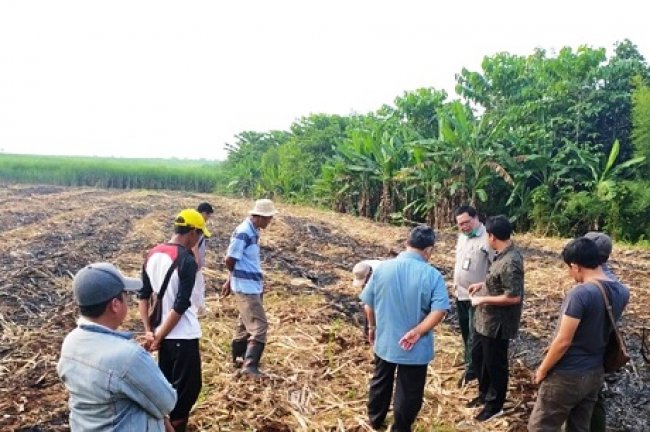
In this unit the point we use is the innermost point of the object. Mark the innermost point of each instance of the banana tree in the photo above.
(460, 163)
(605, 176)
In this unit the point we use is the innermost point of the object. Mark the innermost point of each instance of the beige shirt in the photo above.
(473, 258)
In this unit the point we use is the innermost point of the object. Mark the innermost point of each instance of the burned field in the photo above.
(317, 357)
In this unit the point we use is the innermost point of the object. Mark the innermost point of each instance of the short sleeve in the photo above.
(367, 296)
(238, 243)
(513, 279)
(574, 303)
(439, 297)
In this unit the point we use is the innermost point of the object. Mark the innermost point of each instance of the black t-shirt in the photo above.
(585, 302)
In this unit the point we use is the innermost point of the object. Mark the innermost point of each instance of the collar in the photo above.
(411, 255)
(252, 225)
(476, 232)
(503, 251)
(88, 325)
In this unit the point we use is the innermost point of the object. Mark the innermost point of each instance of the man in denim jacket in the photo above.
(114, 384)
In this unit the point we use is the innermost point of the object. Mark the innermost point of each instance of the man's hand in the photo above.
(409, 339)
(540, 375)
(155, 345)
(225, 288)
(475, 287)
(146, 340)
(476, 300)
(371, 335)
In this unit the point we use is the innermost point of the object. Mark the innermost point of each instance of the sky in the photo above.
(163, 79)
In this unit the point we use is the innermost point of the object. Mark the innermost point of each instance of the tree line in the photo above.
(560, 142)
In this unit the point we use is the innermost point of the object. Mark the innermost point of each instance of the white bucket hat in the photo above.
(263, 207)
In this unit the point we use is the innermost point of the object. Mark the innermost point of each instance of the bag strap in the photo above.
(608, 306)
(168, 276)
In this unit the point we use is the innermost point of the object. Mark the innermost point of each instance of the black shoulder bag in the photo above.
(155, 301)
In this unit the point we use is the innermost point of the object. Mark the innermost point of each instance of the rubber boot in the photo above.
(252, 359)
(238, 352)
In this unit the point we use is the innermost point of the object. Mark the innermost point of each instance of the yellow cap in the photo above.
(193, 219)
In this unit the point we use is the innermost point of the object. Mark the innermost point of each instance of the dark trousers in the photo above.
(490, 359)
(466, 322)
(598, 417)
(408, 393)
(180, 362)
(564, 397)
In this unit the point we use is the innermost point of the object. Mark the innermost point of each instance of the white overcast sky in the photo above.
(179, 79)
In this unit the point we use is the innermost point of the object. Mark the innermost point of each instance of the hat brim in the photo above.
(132, 284)
(206, 233)
(265, 214)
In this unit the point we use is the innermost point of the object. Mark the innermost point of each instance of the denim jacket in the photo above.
(114, 384)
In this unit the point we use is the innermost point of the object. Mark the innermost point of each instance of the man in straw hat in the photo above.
(113, 383)
(177, 336)
(246, 280)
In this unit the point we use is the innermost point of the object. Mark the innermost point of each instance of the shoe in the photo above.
(488, 414)
(476, 402)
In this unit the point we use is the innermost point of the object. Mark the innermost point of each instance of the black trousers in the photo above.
(408, 393)
(490, 360)
(466, 322)
(180, 362)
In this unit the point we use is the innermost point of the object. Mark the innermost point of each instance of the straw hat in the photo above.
(263, 207)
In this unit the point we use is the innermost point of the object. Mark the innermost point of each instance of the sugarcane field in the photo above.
(317, 361)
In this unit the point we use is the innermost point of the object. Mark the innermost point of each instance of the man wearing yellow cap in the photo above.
(169, 273)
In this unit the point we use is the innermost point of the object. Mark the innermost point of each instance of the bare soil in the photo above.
(318, 361)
